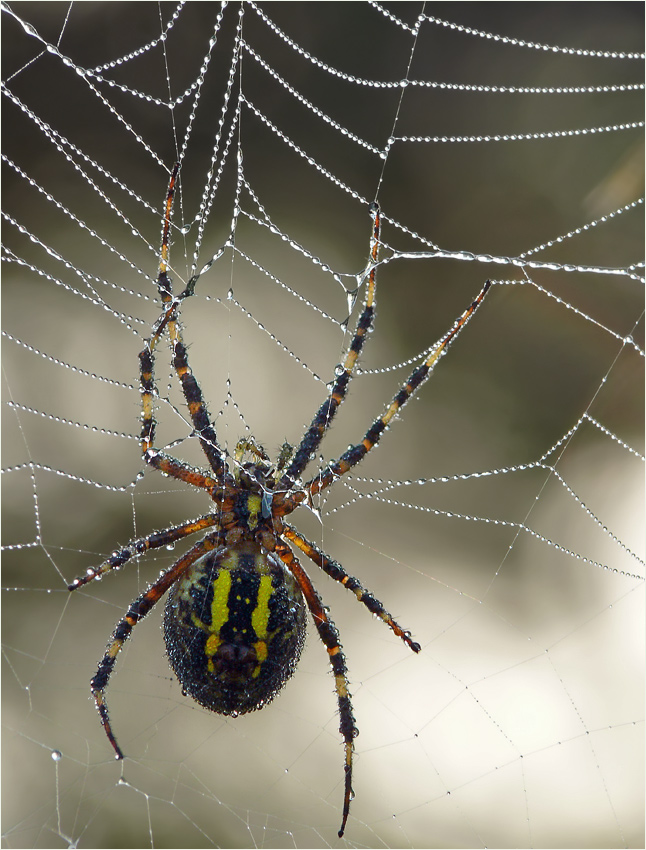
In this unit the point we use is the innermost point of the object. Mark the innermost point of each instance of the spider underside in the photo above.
(234, 622)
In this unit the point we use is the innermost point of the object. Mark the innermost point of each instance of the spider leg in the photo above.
(330, 637)
(145, 544)
(176, 469)
(190, 387)
(136, 612)
(196, 405)
(323, 418)
(336, 571)
(152, 456)
(356, 453)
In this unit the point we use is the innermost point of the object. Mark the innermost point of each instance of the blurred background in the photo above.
(520, 722)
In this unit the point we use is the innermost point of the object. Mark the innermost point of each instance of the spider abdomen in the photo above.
(234, 627)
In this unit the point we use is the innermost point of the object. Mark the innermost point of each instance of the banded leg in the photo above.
(136, 612)
(330, 637)
(356, 453)
(176, 469)
(145, 544)
(336, 571)
(163, 281)
(190, 387)
(321, 422)
(196, 405)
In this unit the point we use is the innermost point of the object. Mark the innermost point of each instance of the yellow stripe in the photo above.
(220, 606)
(260, 615)
(261, 654)
(260, 621)
(219, 615)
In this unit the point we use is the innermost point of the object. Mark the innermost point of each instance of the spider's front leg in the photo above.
(323, 418)
(355, 454)
(169, 320)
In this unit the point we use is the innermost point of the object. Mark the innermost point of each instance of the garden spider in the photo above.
(235, 618)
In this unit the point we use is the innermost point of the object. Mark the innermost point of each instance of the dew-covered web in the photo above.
(501, 516)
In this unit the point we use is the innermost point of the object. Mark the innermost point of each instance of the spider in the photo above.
(235, 617)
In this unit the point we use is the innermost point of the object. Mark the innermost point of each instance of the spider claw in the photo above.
(102, 708)
(349, 793)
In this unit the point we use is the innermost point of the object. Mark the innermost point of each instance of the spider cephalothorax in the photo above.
(234, 623)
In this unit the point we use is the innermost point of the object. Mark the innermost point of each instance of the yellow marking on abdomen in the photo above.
(260, 620)
(261, 654)
(219, 614)
(220, 604)
(260, 614)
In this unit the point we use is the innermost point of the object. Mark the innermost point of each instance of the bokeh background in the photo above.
(520, 722)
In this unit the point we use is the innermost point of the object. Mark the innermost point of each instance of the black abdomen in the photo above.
(234, 627)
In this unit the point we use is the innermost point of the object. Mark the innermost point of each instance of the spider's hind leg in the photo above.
(136, 612)
(330, 637)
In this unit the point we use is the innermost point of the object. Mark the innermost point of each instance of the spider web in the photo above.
(501, 516)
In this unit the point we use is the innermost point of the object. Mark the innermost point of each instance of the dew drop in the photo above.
(29, 29)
